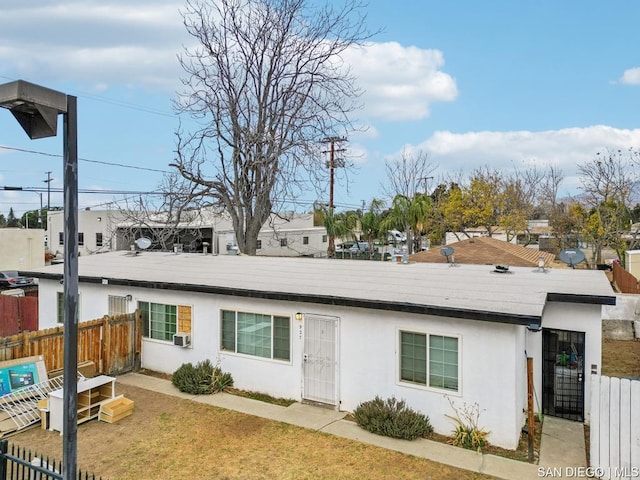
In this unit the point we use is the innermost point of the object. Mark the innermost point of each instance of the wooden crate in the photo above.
(114, 410)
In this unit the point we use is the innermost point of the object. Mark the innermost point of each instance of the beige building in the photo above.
(21, 248)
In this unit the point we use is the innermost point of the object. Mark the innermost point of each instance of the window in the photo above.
(429, 360)
(117, 305)
(258, 244)
(61, 238)
(283, 242)
(159, 321)
(60, 307)
(324, 239)
(80, 239)
(305, 240)
(98, 239)
(261, 335)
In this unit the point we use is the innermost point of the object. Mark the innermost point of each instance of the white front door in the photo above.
(320, 367)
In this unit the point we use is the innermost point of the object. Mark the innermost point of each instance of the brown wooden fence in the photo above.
(113, 344)
(625, 282)
(18, 314)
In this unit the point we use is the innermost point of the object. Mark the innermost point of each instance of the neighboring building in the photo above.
(487, 251)
(100, 231)
(535, 230)
(96, 231)
(341, 332)
(22, 248)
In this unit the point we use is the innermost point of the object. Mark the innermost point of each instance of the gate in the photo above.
(320, 367)
(563, 374)
(120, 343)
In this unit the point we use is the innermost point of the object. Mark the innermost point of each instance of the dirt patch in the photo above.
(167, 437)
(621, 358)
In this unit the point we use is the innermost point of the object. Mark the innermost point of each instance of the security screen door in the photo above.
(320, 366)
(563, 374)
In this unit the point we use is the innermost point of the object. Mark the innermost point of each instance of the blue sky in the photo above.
(469, 83)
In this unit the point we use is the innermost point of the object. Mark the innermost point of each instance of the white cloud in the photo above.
(400, 82)
(94, 43)
(565, 148)
(631, 76)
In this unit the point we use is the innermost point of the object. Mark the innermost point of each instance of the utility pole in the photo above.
(48, 182)
(332, 164)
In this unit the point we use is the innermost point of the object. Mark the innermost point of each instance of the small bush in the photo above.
(204, 378)
(392, 418)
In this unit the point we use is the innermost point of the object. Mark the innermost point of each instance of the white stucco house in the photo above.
(341, 332)
(287, 235)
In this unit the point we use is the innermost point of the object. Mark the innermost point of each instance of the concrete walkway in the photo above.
(561, 446)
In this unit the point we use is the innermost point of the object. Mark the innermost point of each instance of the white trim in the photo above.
(235, 353)
(426, 387)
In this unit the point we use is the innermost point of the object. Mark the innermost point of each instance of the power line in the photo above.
(112, 164)
(113, 101)
(83, 191)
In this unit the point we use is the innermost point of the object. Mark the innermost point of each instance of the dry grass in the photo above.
(170, 438)
(621, 358)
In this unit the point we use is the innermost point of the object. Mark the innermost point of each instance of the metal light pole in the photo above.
(36, 109)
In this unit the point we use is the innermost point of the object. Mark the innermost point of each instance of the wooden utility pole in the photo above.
(333, 163)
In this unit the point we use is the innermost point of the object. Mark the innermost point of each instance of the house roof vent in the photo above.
(502, 269)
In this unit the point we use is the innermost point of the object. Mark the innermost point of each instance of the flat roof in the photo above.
(463, 291)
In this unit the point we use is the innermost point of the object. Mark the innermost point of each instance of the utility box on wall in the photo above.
(632, 260)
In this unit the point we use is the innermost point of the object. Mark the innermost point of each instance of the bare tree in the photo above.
(407, 177)
(409, 174)
(266, 85)
(169, 217)
(607, 183)
(520, 196)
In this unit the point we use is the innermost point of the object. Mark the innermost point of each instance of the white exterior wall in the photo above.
(21, 248)
(577, 318)
(370, 367)
(90, 222)
(492, 355)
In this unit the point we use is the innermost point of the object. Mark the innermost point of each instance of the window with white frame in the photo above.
(159, 321)
(60, 307)
(98, 239)
(430, 360)
(80, 239)
(261, 335)
(117, 305)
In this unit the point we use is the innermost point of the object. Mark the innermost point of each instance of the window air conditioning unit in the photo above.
(182, 339)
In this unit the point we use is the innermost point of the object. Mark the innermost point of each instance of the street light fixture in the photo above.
(36, 109)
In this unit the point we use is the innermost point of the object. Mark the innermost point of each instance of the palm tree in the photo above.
(337, 225)
(371, 223)
(409, 215)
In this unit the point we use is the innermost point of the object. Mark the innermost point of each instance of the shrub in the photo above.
(467, 432)
(204, 378)
(392, 418)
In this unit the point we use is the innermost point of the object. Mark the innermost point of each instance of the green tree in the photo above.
(607, 183)
(483, 200)
(12, 221)
(3, 221)
(371, 223)
(337, 225)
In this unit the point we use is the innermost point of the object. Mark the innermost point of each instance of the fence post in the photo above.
(26, 351)
(107, 344)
